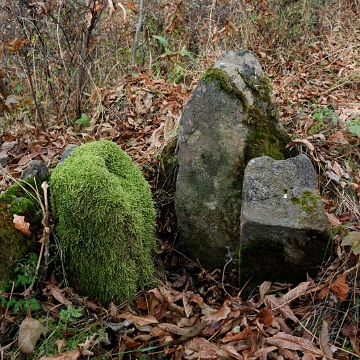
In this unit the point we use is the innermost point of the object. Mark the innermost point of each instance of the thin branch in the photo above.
(137, 33)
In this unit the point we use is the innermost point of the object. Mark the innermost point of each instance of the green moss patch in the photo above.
(266, 138)
(308, 201)
(168, 167)
(105, 221)
(18, 199)
(222, 79)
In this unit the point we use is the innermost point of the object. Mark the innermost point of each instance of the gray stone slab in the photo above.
(284, 227)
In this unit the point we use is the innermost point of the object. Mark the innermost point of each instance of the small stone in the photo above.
(35, 168)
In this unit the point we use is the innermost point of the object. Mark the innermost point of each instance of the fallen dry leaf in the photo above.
(308, 144)
(217, 315)
(26, 158)
(308, 356)
(70, 355)
(291, 342)
(29, 334)
(262, 354)
(324, 339)
(263, 289)
(194, 331)
(172, 329)
(139, 320)
(338, 137)
(57, 294)
(231, 336)
(339, 171)
(60, 344)
(333, 220)
(205, 350)
(353, 333)
(265, 317)
(340, 288)
(20, 224)
(232, 352)
(296, 292)
(187, 307)
(278, 304)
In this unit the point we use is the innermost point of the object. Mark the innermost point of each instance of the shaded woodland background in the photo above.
(79, 71)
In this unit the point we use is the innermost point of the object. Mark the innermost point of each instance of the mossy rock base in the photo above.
(105, 221)
(168, 167)
(14, 243)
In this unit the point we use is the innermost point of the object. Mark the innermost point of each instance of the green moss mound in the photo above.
(18, 199)
(105, 221)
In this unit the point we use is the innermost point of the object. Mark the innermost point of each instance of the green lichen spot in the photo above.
(308, 201)
(105, 221)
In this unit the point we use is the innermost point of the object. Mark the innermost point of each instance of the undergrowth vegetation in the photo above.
(78, 71)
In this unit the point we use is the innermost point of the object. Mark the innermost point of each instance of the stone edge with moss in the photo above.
(18, 199)
(266, 137)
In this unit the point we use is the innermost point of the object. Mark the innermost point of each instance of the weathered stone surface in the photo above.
(284, 228)
(35, 168)
(228, 120)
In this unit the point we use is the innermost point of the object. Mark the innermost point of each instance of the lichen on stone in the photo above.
(308, 201)
(105, 221)
(309, 204)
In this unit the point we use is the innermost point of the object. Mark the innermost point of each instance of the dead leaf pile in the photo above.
(140, 114)
(276, 322)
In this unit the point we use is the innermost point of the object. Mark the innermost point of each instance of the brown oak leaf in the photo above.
(20, 224)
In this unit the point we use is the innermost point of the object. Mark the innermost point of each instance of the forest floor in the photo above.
(194, 314)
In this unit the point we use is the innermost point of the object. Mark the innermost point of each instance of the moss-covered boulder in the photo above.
(105, 221)
(18, 201)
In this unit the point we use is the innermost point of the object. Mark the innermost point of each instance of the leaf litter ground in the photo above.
(193, 314)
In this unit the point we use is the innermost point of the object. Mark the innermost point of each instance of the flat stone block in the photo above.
(284, 228)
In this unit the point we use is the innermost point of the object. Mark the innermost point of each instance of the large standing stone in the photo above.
(284, 227)
(228, 121)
